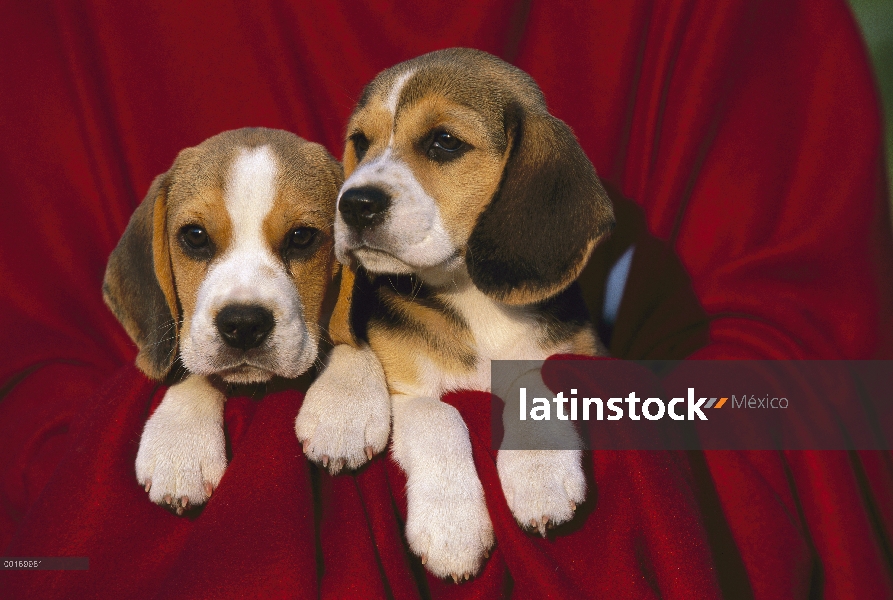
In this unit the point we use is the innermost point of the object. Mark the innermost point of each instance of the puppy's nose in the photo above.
(244, 326)
(361, 206)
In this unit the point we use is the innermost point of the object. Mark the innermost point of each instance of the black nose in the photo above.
(244, 326)
(361, 206)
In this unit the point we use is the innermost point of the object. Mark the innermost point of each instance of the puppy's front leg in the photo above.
(447, 523)
(182, 453)
(539, 463)
(346, 415)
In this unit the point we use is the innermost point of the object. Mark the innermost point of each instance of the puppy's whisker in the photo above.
(347, 95)
(416, 288)
(316, 328)
(167, 325)
(319, 331)
(161, 341)
(470, 255)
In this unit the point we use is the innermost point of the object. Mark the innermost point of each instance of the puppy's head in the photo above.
(228, 257)
(454, 162)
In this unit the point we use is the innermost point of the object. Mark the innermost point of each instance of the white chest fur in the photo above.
(499, 331)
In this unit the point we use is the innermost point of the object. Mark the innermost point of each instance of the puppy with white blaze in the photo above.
(222, 271)
(466, 216)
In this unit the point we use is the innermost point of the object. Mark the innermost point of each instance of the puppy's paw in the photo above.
(346, 415)
(451, 532)
(182, 453)
(542, 487)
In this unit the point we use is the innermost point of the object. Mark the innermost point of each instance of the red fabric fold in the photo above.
(790, 513)
(256, 534)
(273, 529)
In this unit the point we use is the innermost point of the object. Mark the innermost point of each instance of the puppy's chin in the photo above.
(383, 263)
(380, 263)
(245, 374)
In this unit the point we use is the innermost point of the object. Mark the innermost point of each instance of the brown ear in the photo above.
(537, 233)
(341, 329)
(139, 285)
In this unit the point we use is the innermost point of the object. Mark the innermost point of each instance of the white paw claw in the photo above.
(182, 453)
(346, 415)
(452, 536)
(542, 487)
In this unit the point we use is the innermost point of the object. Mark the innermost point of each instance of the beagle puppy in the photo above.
(222, 269)
(467, 214)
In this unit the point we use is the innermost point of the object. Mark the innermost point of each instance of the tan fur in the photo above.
(464, 189)
(340, 330)
(443, 341)
(397, 355)
(377, 125)
(205, 206)
(585, 342)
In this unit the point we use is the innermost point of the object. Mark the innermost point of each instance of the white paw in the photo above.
(346, 415)
(542, 487)
(182, 454)
(451, 532)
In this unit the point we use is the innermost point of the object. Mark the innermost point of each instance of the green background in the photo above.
(876, 20)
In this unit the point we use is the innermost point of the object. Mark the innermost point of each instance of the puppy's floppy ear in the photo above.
(139, 284)
(550, 210)
(341, 324)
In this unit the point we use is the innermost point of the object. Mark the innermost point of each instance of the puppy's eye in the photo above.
(195, 236)
(196, 240)
(299, 239)
(360, 145)
(445, 146)
(445, 141)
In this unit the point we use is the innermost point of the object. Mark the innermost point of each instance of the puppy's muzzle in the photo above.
(363, 207)
(244, 326)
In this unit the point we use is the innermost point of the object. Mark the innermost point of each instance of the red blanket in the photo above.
(746, 132)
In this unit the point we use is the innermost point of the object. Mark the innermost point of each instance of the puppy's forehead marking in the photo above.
(250, 192)
(393, 97)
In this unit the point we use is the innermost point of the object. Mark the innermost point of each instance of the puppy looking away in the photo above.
(223, 267)
(467, 214)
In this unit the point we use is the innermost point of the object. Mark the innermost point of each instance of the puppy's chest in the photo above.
(496, 331)
(446, 340)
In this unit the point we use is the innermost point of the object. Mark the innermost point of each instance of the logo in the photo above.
(572, 408)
